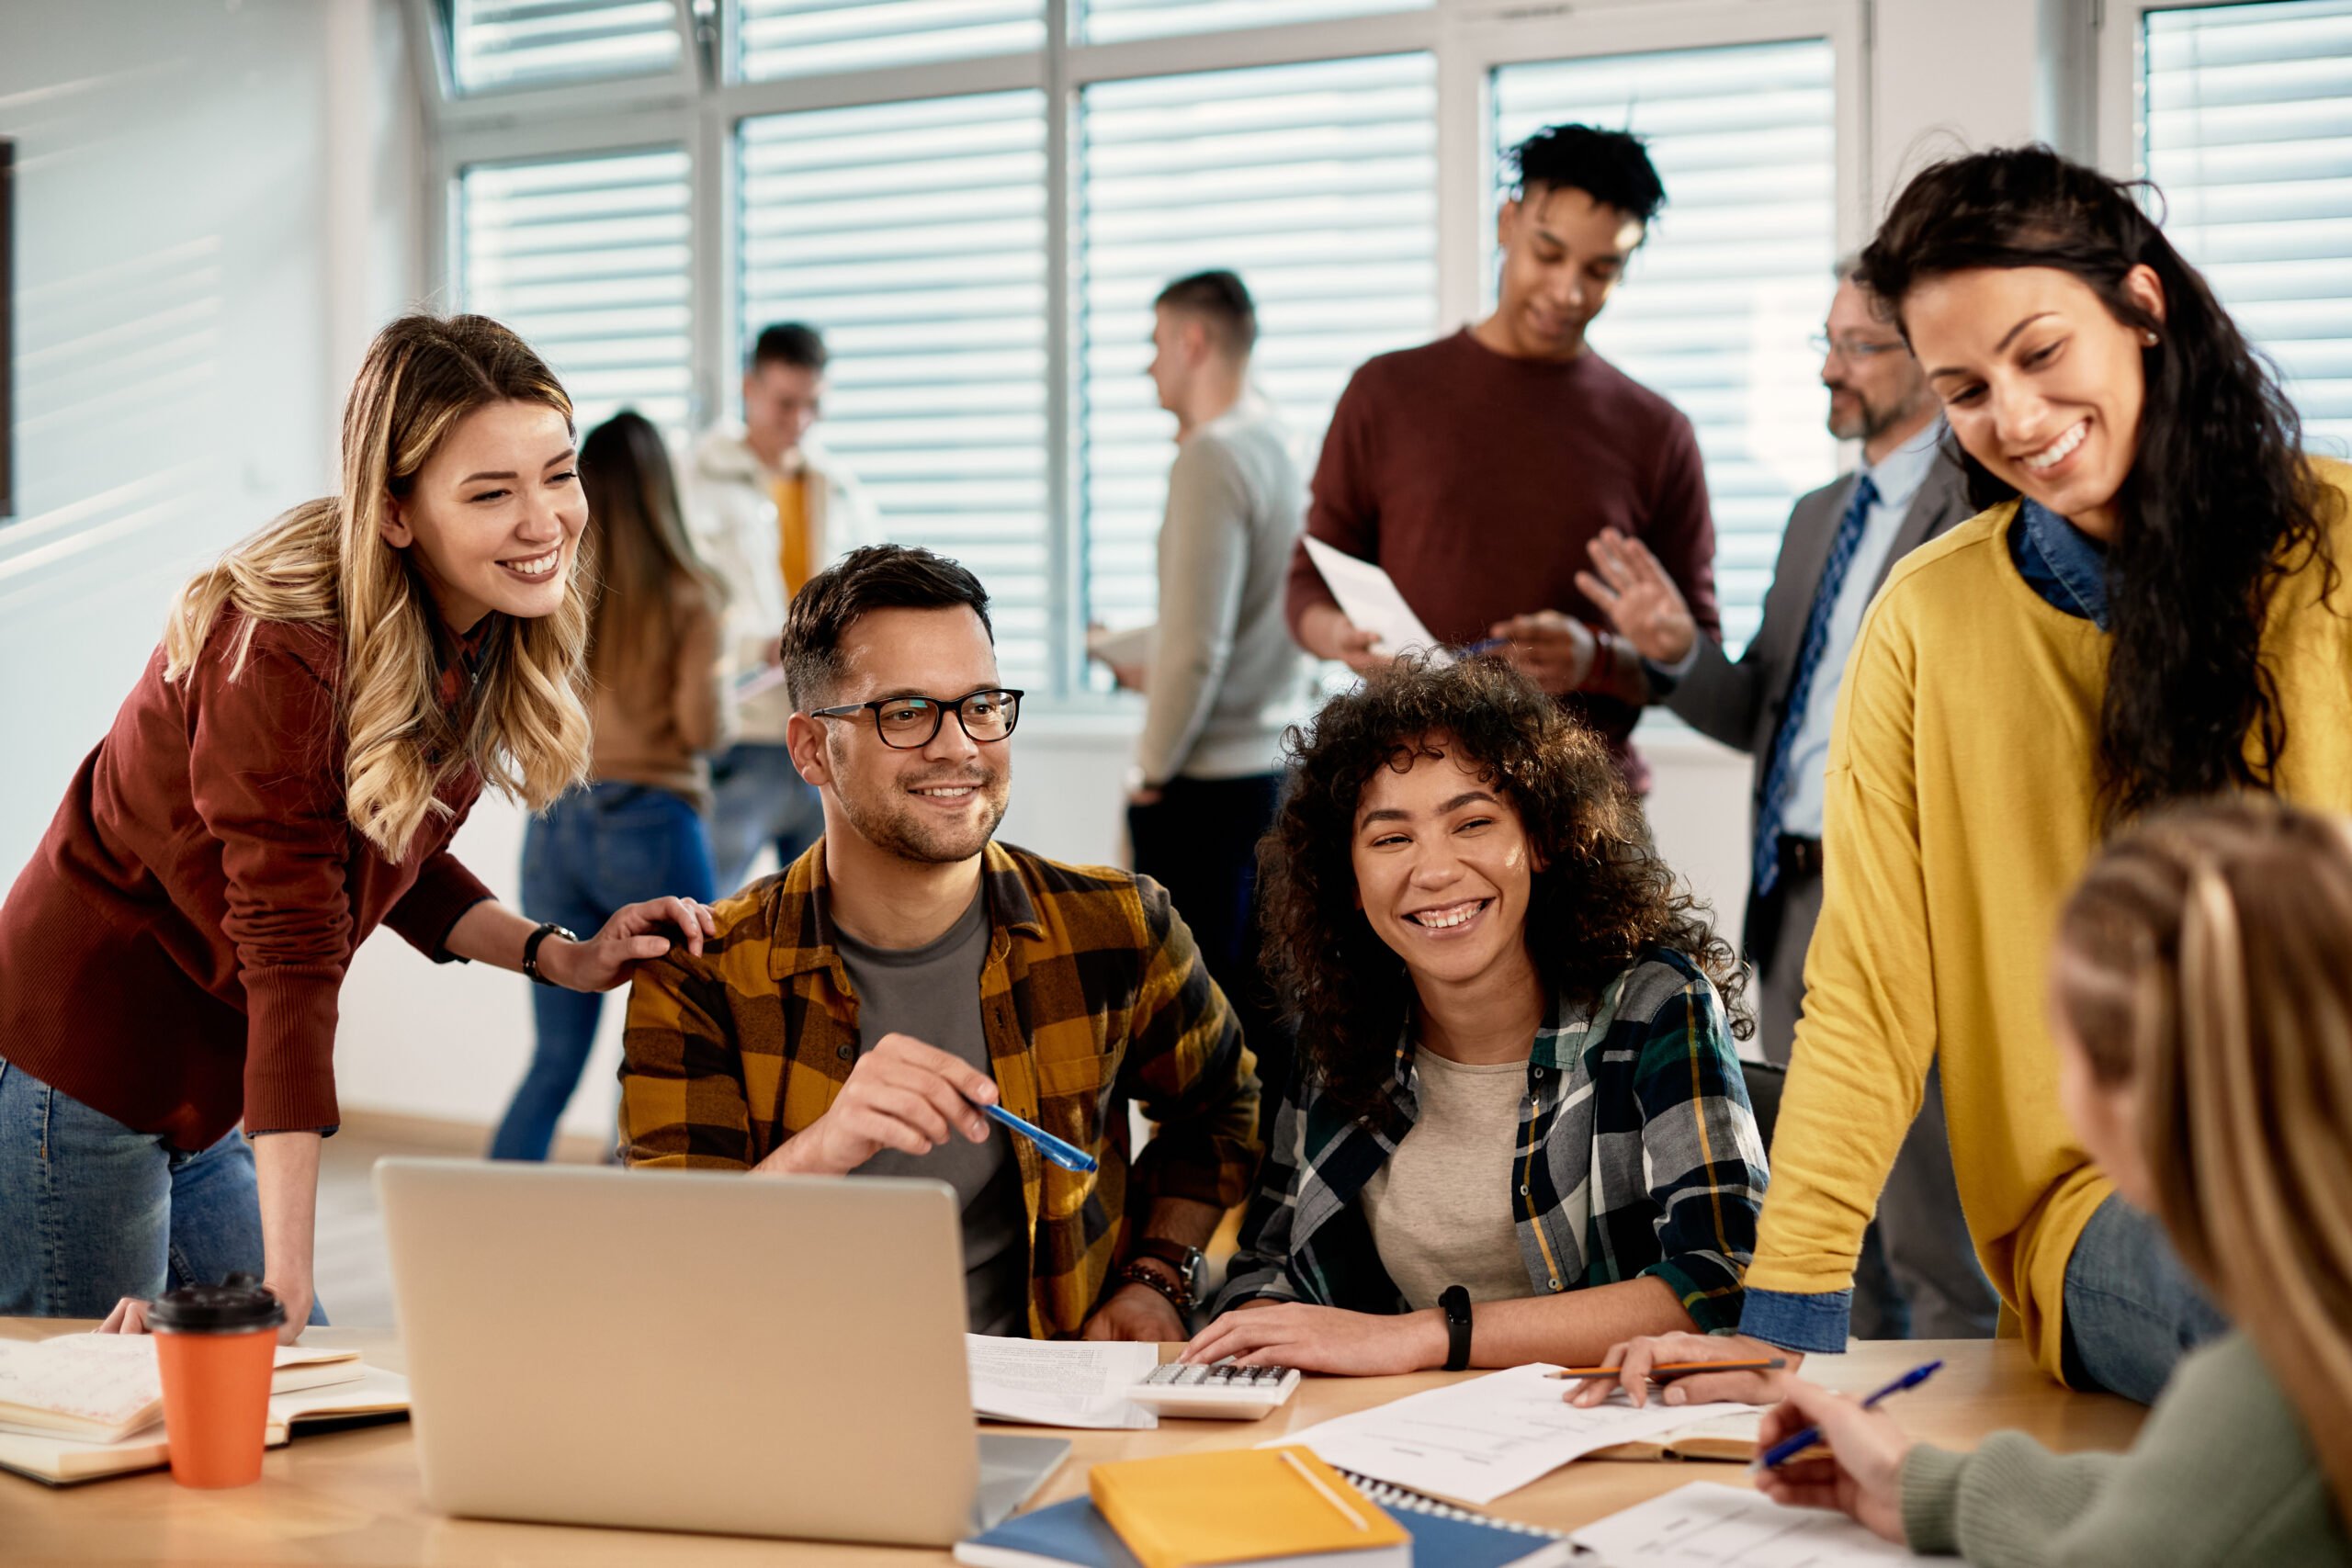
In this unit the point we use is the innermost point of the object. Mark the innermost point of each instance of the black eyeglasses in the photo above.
(910, 723)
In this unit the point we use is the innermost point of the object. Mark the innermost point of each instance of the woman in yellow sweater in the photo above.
(2153, 607)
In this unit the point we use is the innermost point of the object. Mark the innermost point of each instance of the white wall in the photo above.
(183, 300)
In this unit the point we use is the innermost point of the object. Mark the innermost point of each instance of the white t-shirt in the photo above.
(1440, 1209)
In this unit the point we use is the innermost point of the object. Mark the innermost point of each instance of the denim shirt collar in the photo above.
(2073, 574)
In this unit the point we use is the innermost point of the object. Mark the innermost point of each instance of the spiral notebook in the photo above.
(1074, 1535)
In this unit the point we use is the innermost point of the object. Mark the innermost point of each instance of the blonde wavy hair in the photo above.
(326, 563)
(2207, 965)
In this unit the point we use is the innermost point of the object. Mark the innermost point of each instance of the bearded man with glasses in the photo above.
(854, 1014)
(1918, 1275)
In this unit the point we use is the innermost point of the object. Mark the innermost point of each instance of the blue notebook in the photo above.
(1072, 1535)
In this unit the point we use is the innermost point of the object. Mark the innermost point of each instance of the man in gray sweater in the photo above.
(1223, 677)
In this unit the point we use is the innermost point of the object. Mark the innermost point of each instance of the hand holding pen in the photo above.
(1861, 1472)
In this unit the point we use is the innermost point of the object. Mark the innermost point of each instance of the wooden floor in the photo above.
(353, 1275)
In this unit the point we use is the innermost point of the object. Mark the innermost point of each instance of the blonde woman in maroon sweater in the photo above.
(286, 776)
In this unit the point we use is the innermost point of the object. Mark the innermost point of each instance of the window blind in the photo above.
(808, 38)
(1716, 311)
(587, 258)
(511, 43)
(914, 236)
(1116, 22)
(1317, 185)
(2246, 130)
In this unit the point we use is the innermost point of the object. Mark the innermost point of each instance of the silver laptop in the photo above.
(682, 1351)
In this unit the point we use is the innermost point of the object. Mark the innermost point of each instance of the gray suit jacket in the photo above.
(1740, 705)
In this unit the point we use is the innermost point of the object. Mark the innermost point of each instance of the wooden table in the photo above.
(352, 1497)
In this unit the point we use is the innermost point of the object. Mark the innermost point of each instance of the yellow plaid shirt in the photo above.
(1092, 996)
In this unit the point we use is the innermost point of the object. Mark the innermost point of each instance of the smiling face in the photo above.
(492, 520)
(2039, 381)
(1563, 256)
(1443, 867)
(937, 804)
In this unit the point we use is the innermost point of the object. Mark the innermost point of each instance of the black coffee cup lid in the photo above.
(237, 1305)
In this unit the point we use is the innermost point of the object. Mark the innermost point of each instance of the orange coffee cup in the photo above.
(215, 1346)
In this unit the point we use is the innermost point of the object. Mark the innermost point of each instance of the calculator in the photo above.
(1222, 1392)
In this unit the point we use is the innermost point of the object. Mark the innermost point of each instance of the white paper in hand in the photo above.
(1371, 598)
(1060, 1383)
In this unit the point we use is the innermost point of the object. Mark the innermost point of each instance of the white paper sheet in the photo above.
(1729, 1527)
(1136, 645)
(1060, 1383)
(1373, 601)
(1471, 1442)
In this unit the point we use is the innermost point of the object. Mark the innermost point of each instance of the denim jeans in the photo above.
(92, 1212)
(759, 798)
(2133, 1310)
(594, 850)
(1199, 840)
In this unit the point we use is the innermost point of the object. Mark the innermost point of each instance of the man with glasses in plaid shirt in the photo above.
(854, 1013)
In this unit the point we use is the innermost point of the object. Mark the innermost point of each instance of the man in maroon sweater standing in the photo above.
(1476, 470)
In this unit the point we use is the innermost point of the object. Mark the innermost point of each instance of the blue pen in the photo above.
(1484, 645)
(1795, 1443)
(1069, 1157)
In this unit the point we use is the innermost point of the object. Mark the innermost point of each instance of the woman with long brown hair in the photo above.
(1518, 1129)
(328, 702)
(2201, 997)
(659, 705)
(2152, 607)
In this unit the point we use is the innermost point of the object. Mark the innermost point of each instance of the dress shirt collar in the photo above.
(1901, 472)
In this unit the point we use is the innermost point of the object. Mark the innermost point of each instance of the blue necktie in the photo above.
(1775, 798)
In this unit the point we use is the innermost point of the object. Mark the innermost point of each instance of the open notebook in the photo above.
(1727, 1438)
(79, 1406)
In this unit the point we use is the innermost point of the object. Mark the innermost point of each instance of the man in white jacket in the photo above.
(768, 511)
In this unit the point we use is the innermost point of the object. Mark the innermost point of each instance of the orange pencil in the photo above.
(1675, 1368)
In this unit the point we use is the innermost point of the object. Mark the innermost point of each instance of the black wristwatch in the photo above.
(1189, 1262)
(1455, 1305)
(531, 948)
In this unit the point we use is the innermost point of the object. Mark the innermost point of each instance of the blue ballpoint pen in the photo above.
(1795, 1443)
(1069, 1157)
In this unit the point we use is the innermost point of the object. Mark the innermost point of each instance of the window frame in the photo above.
(699, 105)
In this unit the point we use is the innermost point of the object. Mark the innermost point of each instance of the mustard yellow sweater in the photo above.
(1961, 809)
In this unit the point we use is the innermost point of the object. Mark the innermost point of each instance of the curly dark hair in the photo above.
(1601, 900)
(1613, 167)
(2219, 504)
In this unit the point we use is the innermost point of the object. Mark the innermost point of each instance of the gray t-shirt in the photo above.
(932, 993)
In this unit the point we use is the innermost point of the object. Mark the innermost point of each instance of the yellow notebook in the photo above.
(1245, 1506)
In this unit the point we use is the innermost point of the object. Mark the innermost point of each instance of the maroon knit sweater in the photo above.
(172, 954)
(1476, 481)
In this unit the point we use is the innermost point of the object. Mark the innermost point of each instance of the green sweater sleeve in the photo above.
(2222, 1474)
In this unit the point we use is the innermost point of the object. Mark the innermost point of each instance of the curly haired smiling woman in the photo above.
(286, 776)
(1518, 1087)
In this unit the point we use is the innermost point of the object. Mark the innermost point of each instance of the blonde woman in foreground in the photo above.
(2202, 999)
(286, 776)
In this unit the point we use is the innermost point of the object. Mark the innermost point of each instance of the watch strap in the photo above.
(531, 948)
(1455, 1303)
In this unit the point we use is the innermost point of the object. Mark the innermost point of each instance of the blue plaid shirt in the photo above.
(1636, 1119)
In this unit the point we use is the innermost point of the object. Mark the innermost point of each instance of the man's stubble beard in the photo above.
(902, 832)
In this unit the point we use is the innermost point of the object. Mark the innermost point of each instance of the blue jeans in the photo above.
(2132, 1309)
(594, 850)
(92, 1212)
(759, 798)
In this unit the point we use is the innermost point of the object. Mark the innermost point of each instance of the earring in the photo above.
(2148, 336)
